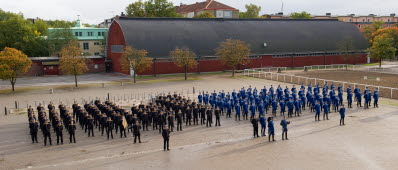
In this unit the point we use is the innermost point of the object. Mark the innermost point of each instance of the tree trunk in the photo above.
(134, 78)
(13, 86)
(75, 80)
(380, 63)
(185, 69)
(233, 71)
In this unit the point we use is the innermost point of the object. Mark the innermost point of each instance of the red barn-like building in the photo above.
(277, 43)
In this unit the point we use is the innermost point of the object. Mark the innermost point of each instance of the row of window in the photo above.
(384, 26)
(86, 45)
(90, 34)
(368, 20)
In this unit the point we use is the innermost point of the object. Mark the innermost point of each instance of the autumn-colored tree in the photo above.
(233, 52)
(205, 15)
(184, 58)
(13, 63)
(72, 62)
(368, 31)
(392, 32)
(135, 59)
(382, 48)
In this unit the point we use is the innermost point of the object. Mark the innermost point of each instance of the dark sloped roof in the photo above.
(161, 35)
(208, 4)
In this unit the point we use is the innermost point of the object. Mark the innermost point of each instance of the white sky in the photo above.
(95, 11)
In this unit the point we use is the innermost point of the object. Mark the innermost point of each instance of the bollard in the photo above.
(108, 96)
(193, 90)
(16, 105)
(51, 91)
(103, 85)
(5, 110)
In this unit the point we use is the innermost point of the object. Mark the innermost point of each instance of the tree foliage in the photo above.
(72, 62)
(252, 11)
(13, 63)
(300, 15)
(346, 47)
(369, 30)
(151, 8)
(233, 53)
(382, 48)
(59, 38)
(184, 58)
(391, 32)
(205, 15)
(135, 59)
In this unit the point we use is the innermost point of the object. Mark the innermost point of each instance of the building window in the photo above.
(359, 26)
(117, 48)
(89, 34)
(96, 43)
(227, 14)
(190, 15)
(80, 34)
(85, 46)
(96, 66)
(219, 14)
(368, 20)
(76, 34)
(96, 53)
(103, 33)
(350, 20)
(388, 20)
(363, 20)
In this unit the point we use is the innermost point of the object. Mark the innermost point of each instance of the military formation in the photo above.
(165, 112)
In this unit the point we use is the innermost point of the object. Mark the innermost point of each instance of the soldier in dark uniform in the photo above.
(195, 115)
(170, 120)
(136, 131)
(217, 112)
(155, 116)
(34, 128)
(58, 130)
(104, 120)
(166, 138)
(203, 115)
(209, 117)
(145, 119)
(109, 127)
(179, 121)
(160, 122)
(188, 112)
(90, 126)
(72, 129)
(254, 121)
(46, 132)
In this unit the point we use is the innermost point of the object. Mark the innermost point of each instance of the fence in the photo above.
(386, 92)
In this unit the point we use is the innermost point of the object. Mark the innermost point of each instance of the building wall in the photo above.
(36, 69)
(115, 37)
(93, 50)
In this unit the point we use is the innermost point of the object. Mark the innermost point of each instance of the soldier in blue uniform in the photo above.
(359, 98)
(317, 111)
(342, 115)
(200, 98)
(376, 98)
(325, 111)
(365, 97)
(284, 124)
(271, 130)
(237, 111)
(282, 104)
(245, 110)
(252, 110)
(263, 125)
(349, 99)
(290, 108)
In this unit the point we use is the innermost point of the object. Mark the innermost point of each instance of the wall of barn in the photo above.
(115, 37)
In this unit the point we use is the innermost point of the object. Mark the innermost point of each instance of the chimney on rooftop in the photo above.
(328, 14)
(122, 14)
(393, 14)
(280, 13)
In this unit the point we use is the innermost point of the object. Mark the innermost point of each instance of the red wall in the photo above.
(115, 37)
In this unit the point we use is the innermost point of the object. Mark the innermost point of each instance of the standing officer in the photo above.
(254, 121)
(136, 131)
(209, 117)
(271, 130)
(376, 98)
(179, 120)
(195, 115)
(342, 115)
(325, 111)
(263, 125)
(203, 115)
(58, 130)
(349, 99)
(34, 128)
(218, 114)
(317, 111)
(166, 138)
(170, 120)
(46, 132)
(109, 128)
(237, 111)
(72, 128)
(90, 126)
(284, 124)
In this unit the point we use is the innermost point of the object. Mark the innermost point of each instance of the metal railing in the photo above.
(387, 92)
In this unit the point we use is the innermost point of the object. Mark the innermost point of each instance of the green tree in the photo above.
(395, 25)
(13, 63)
(205, 15)
(252, 11)
(300, 15)
(136, 60)
(184, 58)
(61, 24)
(58, 38)
(233, 53)
(346, 47)
(382, 48)
(72, 62)
(369, 30)
(151, 8)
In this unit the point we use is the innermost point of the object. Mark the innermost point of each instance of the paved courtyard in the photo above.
(367, 141)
